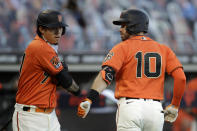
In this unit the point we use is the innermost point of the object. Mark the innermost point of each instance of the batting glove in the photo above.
(84, 108)
(171, 113)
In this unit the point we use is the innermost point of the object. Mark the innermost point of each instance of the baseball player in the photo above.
(40, 73)
(138, 64)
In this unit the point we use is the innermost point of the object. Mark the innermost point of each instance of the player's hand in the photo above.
(84, 108)
(170, 113)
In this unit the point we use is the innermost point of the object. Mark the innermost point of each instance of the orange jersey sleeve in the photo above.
(47, 58)
(140, 64)
(117, 56)
(179, 86)
(36, 82)
(172, 62)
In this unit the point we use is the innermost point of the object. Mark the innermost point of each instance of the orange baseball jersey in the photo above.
(140, 64)
(36, 83)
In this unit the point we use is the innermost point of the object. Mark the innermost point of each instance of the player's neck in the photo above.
(48, 41)
(138, 34)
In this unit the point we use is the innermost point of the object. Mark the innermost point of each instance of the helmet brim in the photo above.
(56, 25)
(120, 21)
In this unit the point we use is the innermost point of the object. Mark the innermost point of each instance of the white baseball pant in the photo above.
(139, 115)
(34, 121)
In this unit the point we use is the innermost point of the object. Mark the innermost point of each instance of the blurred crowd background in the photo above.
(172, 22)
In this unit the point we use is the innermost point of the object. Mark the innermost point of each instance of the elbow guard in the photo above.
(64, 79)
(108, 74)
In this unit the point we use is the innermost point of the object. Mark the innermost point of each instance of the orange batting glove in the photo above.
(84, 108)
(170, 113)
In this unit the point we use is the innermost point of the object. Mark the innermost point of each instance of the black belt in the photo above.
(43, 110)
(127, 98)
(25, 108)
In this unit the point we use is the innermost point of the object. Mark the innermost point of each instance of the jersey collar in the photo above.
(55, 47)
(140, 37)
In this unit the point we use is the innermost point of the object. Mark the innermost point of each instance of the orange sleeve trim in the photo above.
(175, 69)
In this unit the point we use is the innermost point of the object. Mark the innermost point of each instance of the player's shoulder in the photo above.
(122, 44)
(166, 47)
(37, 45)
(163, 46)
(117, 46)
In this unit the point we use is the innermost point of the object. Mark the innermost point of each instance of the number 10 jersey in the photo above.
(140, 64)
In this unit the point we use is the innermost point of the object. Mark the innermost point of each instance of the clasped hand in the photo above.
(84, 108)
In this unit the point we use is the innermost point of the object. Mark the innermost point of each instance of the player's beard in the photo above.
(125, 36)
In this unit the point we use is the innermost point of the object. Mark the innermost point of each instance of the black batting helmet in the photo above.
(50, 19)
(135, 20)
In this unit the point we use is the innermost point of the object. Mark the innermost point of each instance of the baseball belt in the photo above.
(41, 110)
(127, 98)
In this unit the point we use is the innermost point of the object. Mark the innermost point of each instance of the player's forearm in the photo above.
(179, 86)
(99, 84)
(74, 88)
(97, 87)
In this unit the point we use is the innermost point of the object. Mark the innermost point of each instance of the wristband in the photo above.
(93, 95)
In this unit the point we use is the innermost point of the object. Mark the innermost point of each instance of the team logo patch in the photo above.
(109, 56)
(56, 62)
(143, 38)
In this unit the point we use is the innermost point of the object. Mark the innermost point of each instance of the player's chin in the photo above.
(123, 38)
(56, 40)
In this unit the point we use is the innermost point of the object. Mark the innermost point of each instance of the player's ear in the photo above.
(41, 29)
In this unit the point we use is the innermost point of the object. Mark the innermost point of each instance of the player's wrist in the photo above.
(87, 99)
(174, 106)
(93, 95)
(77, 93)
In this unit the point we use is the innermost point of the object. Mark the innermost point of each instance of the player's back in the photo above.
(143, 70)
